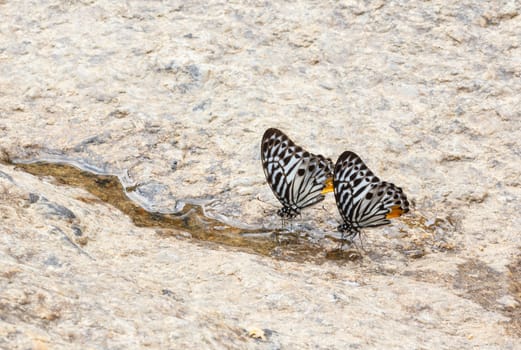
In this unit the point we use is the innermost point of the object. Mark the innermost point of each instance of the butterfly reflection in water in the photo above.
(362, 199)
(298, 178)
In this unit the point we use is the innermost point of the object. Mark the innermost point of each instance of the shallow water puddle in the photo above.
(191, 219)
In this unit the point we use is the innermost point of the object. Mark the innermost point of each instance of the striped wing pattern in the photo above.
(362, 199)
(295, 176)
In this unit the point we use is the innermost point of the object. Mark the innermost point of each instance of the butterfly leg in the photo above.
(358, 248)
(349, 234)
(282, 222)
(361, 242)
(346, 236)
(342, 241)
(346, 239)
(343, 229)
(285, 222)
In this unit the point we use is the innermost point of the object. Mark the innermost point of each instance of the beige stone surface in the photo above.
(173, 97)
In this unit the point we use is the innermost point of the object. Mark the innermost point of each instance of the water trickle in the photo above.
(190, 219)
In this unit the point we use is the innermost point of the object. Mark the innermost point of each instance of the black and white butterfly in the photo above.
(362, 199)
(297, 178)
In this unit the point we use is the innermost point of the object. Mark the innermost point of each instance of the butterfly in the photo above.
(298, 178)
(362, 199)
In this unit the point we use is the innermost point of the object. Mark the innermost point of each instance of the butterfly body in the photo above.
(362, 199)
(298, 178)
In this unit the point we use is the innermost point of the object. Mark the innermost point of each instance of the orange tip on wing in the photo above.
(328, 186)
(395, 212)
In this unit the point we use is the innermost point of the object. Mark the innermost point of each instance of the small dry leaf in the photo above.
(257, 333)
